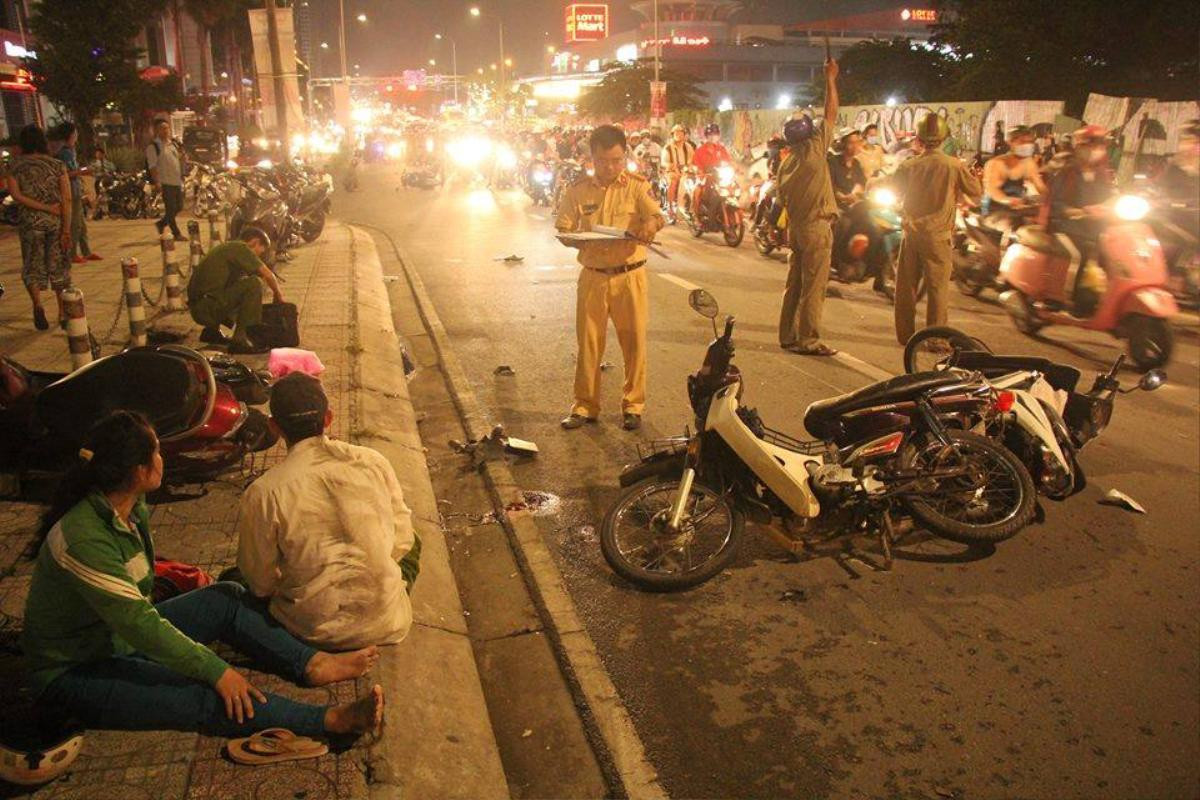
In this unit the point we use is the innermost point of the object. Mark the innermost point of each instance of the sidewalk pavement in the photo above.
(438, 741)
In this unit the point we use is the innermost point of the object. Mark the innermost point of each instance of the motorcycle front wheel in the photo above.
(641, 548)
(736, 231)
(762, 243)
(934, 348)
(991, 500)
(310, 229)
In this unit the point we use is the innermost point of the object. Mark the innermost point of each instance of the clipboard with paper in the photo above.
(605, 233)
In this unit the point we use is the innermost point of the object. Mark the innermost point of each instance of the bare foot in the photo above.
(364, 715)
(326, 668)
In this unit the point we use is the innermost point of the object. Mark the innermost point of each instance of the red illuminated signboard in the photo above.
(919, 15)
(587, 22)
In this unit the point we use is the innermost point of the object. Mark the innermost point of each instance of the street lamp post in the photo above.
(453, 61)
(475, 12)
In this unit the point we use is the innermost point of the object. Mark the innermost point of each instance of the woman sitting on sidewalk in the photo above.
(99, 652)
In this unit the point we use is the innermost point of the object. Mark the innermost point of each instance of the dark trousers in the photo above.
(134, 693)
(172, 205)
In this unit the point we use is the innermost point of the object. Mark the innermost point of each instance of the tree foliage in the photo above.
(625, 92)
(212, 16)
(86, 56)
(1026, 49)
(872, 71)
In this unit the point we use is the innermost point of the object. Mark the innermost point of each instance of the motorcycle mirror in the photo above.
(1152, 380)
(703, 303)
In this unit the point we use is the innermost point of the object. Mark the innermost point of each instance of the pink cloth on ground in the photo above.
(284, 360)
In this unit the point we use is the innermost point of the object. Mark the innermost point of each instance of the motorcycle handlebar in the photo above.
(728, 328)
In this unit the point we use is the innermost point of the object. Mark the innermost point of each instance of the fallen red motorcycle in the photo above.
(199, 410)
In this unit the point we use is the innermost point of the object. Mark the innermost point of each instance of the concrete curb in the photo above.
(609, 724)
(439, 740)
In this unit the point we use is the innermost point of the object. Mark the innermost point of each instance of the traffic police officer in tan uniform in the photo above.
(807, 192)
(612, 283)
(932, 185)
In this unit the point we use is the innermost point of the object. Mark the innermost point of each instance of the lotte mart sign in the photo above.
(587, 22)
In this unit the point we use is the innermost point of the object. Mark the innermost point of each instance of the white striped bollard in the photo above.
(133, 302)
(171, 283)
(195, 246)
(214, 230)
(78, 339)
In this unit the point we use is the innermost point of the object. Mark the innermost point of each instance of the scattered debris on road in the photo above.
(390, 278)
(510, 259)
(504, 370)
(1113, 497)
(793, 596)
(605, 366)
(494, 446)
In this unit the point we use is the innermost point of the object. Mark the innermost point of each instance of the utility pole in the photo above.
(342, 39)
(281, 121)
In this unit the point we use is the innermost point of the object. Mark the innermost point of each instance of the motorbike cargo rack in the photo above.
(671, 446)
(781, 439)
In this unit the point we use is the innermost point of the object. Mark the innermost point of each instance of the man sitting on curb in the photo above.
(325, 534)
(225, 289)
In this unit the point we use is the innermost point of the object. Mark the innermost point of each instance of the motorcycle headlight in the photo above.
(542, 176)
(266, 163)
(1131, 208)
(231, 164)
(883, 197)
(394, 150)
(725, 175)
(631, 165)
(506, 158)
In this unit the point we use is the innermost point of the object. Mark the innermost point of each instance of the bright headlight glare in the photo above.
(266, 163)
(725, 174)
(1131, 208)
(506, 158)
(883, 197)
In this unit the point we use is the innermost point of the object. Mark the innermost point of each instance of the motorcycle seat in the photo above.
(160, 385)
(821, 417)
(1060, 376)
(1035, 237)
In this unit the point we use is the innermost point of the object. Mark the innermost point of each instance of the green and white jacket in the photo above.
(90, 599)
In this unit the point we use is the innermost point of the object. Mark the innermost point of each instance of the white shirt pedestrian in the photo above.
(164, 156)
(321, 534)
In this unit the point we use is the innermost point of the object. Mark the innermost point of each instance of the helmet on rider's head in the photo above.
(1089, 134)
(932, 129)
(798, 130)
(712, 129)
(1019, 131)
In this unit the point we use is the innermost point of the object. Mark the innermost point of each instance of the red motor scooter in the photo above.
(1134, 303)
(198, 408)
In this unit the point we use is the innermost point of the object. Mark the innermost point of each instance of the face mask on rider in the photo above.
(872, 140)
(1023, 150)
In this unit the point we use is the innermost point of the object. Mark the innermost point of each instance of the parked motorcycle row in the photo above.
(289, 201)
(960, 447)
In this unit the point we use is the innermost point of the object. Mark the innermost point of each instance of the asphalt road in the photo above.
(1064, 665)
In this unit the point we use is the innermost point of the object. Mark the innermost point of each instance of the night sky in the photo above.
(399, 33)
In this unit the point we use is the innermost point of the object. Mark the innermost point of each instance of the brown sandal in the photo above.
(273, 746)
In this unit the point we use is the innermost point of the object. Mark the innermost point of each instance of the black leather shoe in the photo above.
(573, 421)
(632, 422)
(816, 350)
(213, 336)
(245, 347)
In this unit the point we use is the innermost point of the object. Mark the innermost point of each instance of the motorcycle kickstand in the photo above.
(887, 536)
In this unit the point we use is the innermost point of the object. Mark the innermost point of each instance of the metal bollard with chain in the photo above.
(172, 285)
(133, 302)
(78, 339)
(195, 246)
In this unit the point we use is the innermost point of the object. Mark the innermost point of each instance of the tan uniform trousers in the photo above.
(929, 254)
(808, 273)
(624, 299)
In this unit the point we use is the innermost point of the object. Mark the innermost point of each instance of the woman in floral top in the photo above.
(39, 183)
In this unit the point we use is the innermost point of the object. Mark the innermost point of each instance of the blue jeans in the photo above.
(134, 693)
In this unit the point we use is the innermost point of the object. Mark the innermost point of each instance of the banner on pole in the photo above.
(658, 99)
(266, 76)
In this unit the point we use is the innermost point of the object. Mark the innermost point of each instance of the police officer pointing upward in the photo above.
(932, 184)
(807, 193)
(612, 283)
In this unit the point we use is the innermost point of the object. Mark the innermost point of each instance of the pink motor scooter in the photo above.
(1135, 303)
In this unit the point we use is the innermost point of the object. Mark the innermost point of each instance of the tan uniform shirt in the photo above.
(619, 205)
(804, 182)
(931, 185)
(871, 158)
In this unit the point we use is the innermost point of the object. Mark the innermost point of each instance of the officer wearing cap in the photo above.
(932, 185)
(807, 192)
(612, 283)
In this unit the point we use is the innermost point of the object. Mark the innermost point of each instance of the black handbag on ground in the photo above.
(280, 326)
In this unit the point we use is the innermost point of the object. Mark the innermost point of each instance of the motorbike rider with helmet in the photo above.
(1077, 202)
(709, 155)
(807, 194)
(872, 154)
(1005, 178)
(931, 184)
(676, 157)
(649, 151)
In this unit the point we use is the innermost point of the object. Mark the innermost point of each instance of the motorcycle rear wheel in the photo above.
(927, 343)
(990, 505)
(638, 546)
(310, 229)
(763, 244)
(1150, 341)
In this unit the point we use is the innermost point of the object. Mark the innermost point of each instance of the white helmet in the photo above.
(41, 765)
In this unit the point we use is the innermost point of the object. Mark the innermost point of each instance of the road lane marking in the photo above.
(858, 365)
(680, 282)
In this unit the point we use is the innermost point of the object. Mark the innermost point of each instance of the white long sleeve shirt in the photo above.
(321, 535)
